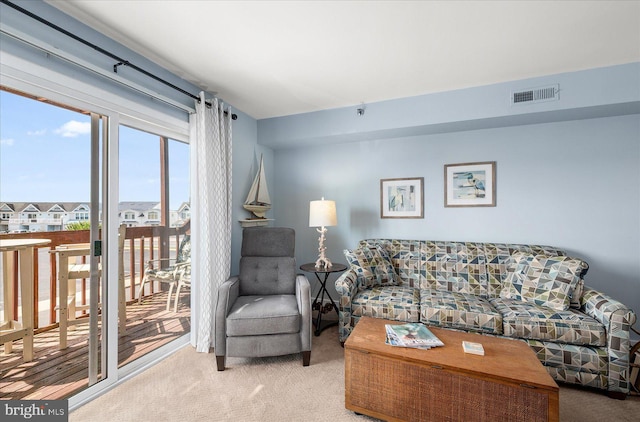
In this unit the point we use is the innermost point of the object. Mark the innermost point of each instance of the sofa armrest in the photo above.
(228, 292)
(605, 309)
(617, 319)
(347, 288)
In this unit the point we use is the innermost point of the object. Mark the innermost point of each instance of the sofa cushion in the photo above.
(455, 266)
(544, 280)
(499, 259)
(406, 258)
(459, 310)
(530, 321)
(398, 303)
(372, 266)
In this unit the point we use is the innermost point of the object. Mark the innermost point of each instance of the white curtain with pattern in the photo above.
(210, 161)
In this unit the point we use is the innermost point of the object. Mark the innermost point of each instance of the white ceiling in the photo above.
(276, 58)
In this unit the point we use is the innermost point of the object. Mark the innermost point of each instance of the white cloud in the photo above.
(73, 128)
(37, 132)
(8, 142)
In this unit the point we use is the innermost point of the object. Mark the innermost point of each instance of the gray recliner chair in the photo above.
(266, 309)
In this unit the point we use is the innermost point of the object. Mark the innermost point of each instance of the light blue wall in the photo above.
(246, 158)
(568, 183)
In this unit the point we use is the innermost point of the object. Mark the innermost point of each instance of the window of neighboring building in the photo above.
(129, 216)
(154, 215)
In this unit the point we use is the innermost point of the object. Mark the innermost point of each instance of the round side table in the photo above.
(319, 300)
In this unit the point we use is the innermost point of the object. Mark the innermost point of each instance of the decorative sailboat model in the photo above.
(258, 201)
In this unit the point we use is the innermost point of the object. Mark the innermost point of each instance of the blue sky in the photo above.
(44, 157)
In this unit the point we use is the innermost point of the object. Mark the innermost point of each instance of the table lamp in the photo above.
(322, 214)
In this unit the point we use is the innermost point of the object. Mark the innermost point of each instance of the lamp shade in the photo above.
(322, 213)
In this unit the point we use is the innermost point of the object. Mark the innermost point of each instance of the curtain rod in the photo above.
(121, 61)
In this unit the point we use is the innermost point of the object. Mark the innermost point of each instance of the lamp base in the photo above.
(322, 261)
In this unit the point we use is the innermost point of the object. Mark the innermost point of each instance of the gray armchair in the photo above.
(266, 309)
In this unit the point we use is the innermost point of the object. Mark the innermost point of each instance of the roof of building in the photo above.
(71, 206)
(138, 206)
(41, 206)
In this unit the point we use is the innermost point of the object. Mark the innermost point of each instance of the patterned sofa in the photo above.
(528, 292)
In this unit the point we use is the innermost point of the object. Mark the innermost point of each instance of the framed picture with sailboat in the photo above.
(258, 201)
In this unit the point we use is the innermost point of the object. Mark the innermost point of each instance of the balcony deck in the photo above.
(58, 374)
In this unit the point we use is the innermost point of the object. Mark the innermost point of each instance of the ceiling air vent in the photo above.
(536, 95)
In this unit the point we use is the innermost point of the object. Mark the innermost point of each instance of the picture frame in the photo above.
(470, 184)
(402, 198)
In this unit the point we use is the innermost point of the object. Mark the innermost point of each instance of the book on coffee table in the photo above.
(473, 348)
(412, 334)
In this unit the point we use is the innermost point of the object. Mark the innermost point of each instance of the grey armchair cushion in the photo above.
(267, 275)
(259, 315)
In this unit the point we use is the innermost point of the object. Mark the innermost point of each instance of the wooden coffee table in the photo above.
(444, 383)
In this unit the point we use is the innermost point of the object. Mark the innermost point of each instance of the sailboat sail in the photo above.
(258, 201)
(259, 194)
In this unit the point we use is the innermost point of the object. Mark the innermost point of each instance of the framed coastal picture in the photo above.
(470, 184)
(402, 198)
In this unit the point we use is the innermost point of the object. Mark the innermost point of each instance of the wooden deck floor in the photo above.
(58, 374)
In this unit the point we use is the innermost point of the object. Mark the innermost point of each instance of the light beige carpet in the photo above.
(187, 387)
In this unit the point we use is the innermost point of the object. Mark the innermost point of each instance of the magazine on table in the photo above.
(413, 335)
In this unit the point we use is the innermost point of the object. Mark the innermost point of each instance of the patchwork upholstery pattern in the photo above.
(571, 357)
(455, 266)
(583, 378)
(388, 302)
(459, 311)
(346, 287)
(406, 258)
(586, 344)
(530, 321)
(499, 257)
(543, 280)
(372, 266)
(618, 320)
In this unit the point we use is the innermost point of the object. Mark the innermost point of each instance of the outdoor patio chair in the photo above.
(266, 309)
(170, 271)
(184, 281)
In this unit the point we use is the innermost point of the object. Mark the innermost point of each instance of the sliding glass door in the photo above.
(154, 205)
(50, 188)
(111, 198)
